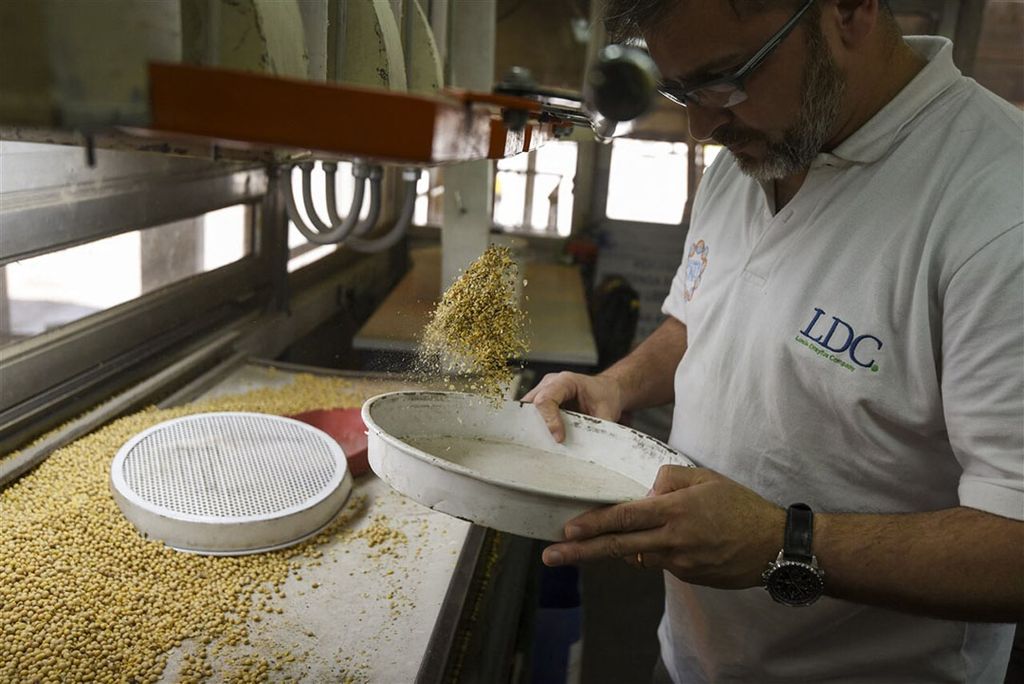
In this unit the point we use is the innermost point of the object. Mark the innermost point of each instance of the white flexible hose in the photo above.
(342, 227)
(307, 197)
(373, 215)
(293, 211)
(338, 230)
(397, 232)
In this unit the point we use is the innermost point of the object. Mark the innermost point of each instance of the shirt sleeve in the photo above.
(675, 303)
(983, 374)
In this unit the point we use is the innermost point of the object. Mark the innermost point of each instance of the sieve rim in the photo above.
(119, 483)
(399, 443)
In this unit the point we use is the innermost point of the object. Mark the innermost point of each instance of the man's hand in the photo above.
(701, 526)
(644, 378)
(596, 396)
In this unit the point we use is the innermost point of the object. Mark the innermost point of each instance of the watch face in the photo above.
(795, 584)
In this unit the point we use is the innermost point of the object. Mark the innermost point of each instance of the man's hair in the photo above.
(627, 20)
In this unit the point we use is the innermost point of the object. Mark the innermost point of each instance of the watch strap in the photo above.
(799, 531)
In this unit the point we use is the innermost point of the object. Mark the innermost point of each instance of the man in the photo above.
(846, 331)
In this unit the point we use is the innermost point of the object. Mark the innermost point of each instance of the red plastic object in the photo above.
(347, 428)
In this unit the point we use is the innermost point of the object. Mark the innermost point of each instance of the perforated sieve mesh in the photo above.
(231, 465)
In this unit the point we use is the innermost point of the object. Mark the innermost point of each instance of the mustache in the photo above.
(731, 137)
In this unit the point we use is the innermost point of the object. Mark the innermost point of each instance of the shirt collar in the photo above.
(870, 142)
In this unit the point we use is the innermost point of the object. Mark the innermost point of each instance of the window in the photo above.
(647, 181)
(700, 161)
(429, 198)
(534, 191)
(711, 154)
(48, 291)
(999, 65)
(510, 190)
(918, 23)
(999, 61)
(109, 268)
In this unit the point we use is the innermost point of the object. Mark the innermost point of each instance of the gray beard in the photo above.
(822, 91)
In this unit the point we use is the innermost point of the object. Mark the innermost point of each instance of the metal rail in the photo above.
(38, 452)
(442, 638)
(39, 222)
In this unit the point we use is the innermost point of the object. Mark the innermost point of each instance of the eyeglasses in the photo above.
(727, 91)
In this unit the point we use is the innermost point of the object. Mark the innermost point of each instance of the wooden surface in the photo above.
(558, 325)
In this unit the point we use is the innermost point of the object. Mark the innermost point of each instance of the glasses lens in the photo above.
(738, 95)
(719, 95)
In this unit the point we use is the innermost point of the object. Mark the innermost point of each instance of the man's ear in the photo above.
(855, 21)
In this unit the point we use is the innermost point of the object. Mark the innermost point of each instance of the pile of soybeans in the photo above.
(83, 597)
(478, 326)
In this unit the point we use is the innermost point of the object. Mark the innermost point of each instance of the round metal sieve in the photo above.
(230, 483)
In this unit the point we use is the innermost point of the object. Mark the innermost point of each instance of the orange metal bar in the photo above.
(506, 143)
(541, 134)
(248, 110)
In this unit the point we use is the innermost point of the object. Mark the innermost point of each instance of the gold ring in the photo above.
(640, 559)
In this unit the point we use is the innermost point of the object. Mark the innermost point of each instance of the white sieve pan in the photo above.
(498, 466)
(230, 483)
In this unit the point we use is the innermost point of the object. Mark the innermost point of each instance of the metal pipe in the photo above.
(293, 210)
(206, 381)
(340, 38)
(368, 224)
(330, 234)
(397, 232)
(407, 28)
(35, 454)
(211, 42)
(307, 197)
(340, 228)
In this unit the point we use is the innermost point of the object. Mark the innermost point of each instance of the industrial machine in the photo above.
(229, 187)
(176, 166)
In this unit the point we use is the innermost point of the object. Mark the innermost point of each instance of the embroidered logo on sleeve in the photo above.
(840, 343)
(696, 262)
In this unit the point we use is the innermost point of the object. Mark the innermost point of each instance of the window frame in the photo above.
(37, 222)
(530, 174)
(695, 169)
(40, 376)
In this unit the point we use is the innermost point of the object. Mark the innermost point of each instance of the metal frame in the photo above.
(43, 378)
(39, 222)
(243, 308)
(478, 630)
(435, 662)
(41, 373)
(113, 407)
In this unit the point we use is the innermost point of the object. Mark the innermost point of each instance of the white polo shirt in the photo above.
(862, 350)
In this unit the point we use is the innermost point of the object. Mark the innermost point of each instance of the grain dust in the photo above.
(84, 597)
(478, 327)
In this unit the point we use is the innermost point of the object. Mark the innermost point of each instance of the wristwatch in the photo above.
(794, 578)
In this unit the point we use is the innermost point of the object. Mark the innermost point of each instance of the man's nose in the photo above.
(704, 121)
